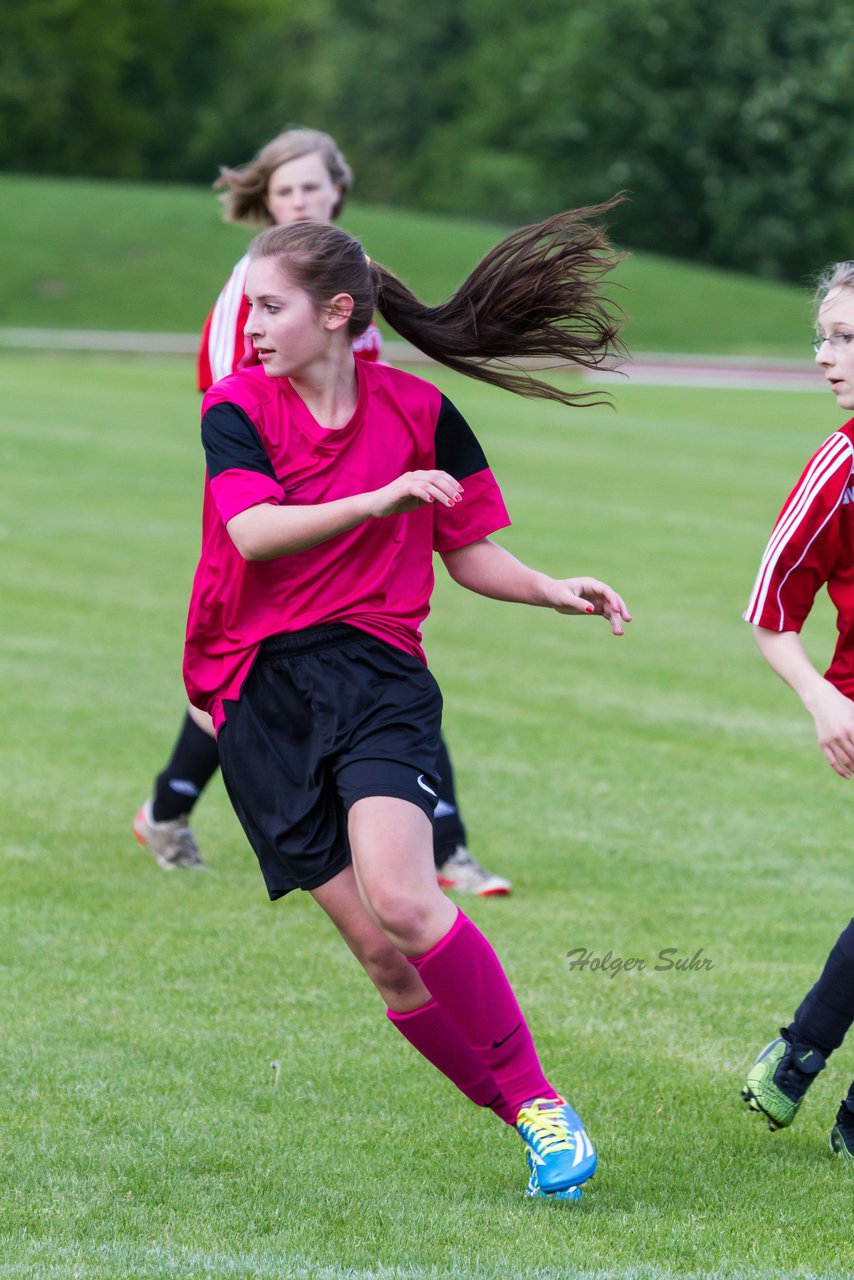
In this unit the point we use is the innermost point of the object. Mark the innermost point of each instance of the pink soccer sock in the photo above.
(465, 977)
(437, 1038)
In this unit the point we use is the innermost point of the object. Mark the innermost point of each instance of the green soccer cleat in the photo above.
(779, 1079)
(842, 1136)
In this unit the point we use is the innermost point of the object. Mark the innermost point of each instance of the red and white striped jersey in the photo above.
(224, 347)
(812, 545)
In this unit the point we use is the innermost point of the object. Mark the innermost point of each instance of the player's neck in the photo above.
(330, 390)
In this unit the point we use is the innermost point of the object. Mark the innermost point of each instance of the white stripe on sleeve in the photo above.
(223, 339)
(833, 454)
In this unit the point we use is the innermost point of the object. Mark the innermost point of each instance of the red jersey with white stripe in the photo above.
(812, 545)
(262, 445)
(225, 348)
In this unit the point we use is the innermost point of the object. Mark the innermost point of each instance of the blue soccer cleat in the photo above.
(534, 1189)
(560, 1154)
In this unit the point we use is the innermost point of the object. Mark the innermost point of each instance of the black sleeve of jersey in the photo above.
(232, 441)
(457, 449)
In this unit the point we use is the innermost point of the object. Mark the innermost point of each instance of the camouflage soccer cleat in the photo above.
(172, 844)
(778, 1080)
(462, 873)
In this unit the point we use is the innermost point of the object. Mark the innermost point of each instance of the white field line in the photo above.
(52, 1261)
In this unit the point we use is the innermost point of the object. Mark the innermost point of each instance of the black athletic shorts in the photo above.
(326, 716)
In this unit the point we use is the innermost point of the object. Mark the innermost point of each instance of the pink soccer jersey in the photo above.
(812, 544)
(263, 446)
(224, 348)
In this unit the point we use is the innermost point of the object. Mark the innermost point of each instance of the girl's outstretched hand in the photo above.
(412, 490)
(590, 596)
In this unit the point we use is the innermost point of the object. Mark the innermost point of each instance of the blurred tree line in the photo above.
(727, 121)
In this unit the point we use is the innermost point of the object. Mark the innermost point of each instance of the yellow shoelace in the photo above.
(547, 1128)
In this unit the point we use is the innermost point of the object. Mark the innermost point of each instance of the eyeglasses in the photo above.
(837, 340)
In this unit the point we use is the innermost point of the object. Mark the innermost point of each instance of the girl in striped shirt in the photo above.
(812, 546)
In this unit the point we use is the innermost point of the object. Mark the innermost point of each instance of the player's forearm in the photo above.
(265, 532)
(487, 569)
(785, 654)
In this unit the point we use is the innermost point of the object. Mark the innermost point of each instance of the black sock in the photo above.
(448, 829)
(824, 1016)
(194, 761)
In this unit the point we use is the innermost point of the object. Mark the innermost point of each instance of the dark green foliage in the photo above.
(118, 88)
(727, 122)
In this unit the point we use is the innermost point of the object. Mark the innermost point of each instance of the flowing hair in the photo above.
(537, 296)
(245, 187)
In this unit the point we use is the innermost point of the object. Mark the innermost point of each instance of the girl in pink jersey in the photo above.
(812, 546)
(301, 175)
(330, 484)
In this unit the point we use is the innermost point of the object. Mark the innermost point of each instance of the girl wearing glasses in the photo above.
(812, 545)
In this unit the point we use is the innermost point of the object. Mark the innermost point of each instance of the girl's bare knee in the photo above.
(391, 973)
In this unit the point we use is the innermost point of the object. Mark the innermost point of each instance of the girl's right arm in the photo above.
(832, 712)
(266, 531)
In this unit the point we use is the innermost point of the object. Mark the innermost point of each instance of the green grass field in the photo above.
(111, 255)
(659, 791)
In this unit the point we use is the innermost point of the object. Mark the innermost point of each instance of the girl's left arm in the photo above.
(488, 569)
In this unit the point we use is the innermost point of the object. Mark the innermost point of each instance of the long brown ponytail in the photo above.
(536, 296)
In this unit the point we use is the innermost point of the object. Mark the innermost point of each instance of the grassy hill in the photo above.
(115, 255)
